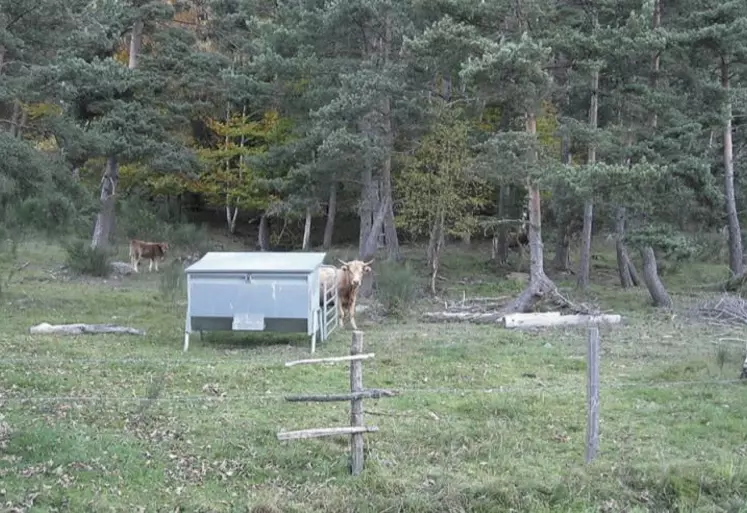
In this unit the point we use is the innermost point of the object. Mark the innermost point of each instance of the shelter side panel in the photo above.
(282, 296)
(216, 295)
(273, 296)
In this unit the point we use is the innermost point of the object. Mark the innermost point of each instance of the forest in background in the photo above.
(380, 122)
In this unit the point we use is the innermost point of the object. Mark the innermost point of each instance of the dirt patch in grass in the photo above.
(487, 419)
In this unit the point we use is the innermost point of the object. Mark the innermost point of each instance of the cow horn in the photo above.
(369, 262)
(342, 262)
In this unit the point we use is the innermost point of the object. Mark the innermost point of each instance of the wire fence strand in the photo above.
(260, 396)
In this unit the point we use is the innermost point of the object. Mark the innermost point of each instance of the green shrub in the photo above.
(83, 259)
(189, 237)
(136, 219)
(171, 281)
(396, 287)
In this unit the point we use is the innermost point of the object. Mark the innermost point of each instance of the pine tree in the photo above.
(714, 34)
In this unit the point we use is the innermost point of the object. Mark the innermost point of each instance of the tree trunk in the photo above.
(539, 284)
(370, 245)
(232, 212)
(306, 245)
(655, 287)
(625, 267)
(263, 237)
(136, 41)
(562, 260)
(232, 215)
(102, 228)
(331, 213)
(585, 256)
(736, 257)
(390, 230)
(368, 250)
(432, 238)
(501, 249)
(651, 278)
(366, 209)
(437, 236)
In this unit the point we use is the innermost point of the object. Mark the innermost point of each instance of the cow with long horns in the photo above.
(348, 278)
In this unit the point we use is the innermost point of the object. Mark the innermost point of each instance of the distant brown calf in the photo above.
(153, 251)
(349, 278)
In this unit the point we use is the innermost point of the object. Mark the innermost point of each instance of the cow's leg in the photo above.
(135, 263)
(156, 265)
(150, 267)
(341, 314)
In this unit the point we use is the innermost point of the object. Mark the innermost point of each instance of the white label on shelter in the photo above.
(248, 322)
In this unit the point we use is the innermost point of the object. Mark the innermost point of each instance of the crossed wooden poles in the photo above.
(356, 396)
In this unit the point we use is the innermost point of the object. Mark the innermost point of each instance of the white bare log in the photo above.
(320, 432)
(80, 329)
(331, 359)
(517, 319)
(539, 320)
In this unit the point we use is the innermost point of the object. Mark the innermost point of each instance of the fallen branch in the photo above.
(80, 329)
(563, 302)
(15, 270)
(366, 394)
(726, 309)
(319, 432)
(331, 359)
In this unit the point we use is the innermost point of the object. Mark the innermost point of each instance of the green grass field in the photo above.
(487, 419)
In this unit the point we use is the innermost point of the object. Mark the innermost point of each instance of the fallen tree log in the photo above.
(81, 329)
(479, 317)
(540, 320)
(523, 320)
(474, 317)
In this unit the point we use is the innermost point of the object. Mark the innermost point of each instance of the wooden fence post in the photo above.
(592, 394)
(356, 405)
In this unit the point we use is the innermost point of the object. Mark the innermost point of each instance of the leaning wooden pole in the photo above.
(356, 404)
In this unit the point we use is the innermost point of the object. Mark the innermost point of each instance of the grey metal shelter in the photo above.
(259, 291)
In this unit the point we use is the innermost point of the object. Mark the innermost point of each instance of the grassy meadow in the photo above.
(487, 419)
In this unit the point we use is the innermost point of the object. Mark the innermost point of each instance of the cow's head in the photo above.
(355, 270)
